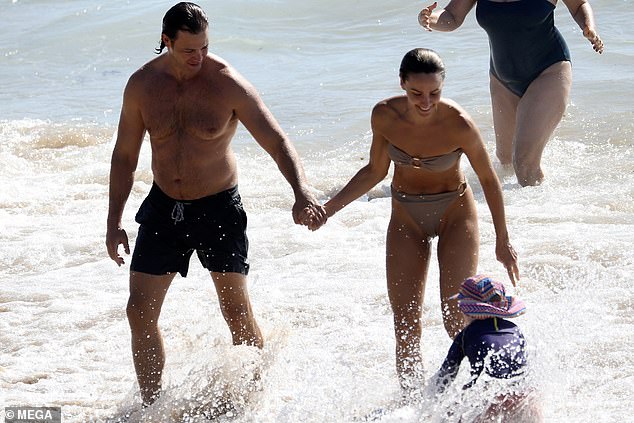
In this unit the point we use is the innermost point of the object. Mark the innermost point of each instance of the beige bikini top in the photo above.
(432, 164)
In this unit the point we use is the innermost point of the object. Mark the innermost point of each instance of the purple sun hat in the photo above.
(481, 297)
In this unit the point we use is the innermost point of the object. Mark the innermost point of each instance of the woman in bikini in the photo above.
(530, 71)
(425, 136)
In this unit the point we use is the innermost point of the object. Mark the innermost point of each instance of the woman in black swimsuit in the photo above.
(425, 136)
(530, 71)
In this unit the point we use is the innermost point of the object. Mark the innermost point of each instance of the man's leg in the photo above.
(147, 293)
(236, 308)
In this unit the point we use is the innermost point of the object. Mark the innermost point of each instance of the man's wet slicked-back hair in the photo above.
(184, 16)
(421, 60)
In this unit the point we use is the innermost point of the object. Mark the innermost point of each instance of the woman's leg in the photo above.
(538, 113)
(503, 106)
(407, 261)
(458, 245)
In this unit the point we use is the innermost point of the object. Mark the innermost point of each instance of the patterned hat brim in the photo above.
(480, 310)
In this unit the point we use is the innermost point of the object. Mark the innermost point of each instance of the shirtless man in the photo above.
(190, 102)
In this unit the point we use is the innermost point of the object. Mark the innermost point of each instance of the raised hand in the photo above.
(424, 17)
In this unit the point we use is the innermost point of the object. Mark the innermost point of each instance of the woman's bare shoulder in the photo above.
(459, 117)
(390, 108)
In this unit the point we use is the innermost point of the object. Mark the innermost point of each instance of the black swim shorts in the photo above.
(170, 231)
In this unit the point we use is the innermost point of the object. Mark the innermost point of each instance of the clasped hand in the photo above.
(313, 216)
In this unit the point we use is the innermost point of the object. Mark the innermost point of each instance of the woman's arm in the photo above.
(581, 12)
(481, 164)
(369, 175)
(447, 19)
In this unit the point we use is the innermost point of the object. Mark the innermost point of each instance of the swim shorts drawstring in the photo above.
(178, 212)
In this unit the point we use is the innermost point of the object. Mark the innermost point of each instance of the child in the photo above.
(492, 344)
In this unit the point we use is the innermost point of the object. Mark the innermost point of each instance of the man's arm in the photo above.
(122, 166)
(258, 120)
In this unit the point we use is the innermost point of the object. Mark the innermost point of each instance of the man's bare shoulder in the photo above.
(146, 74)
(228, 80)
(214, 67)
(224, 73)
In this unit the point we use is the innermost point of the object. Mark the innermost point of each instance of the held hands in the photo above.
(424, 17)
(114, 238)
(308, 212)
(313, 216)
(506, 255)
(593, 37)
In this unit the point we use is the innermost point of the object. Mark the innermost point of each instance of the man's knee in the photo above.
(236, 311)
(134, 313)
(139, 316)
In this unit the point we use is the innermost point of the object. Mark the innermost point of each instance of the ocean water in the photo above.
(320, 297)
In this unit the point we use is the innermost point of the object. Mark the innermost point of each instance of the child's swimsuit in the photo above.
(427, 209)
(494, 345)
(523, 40)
